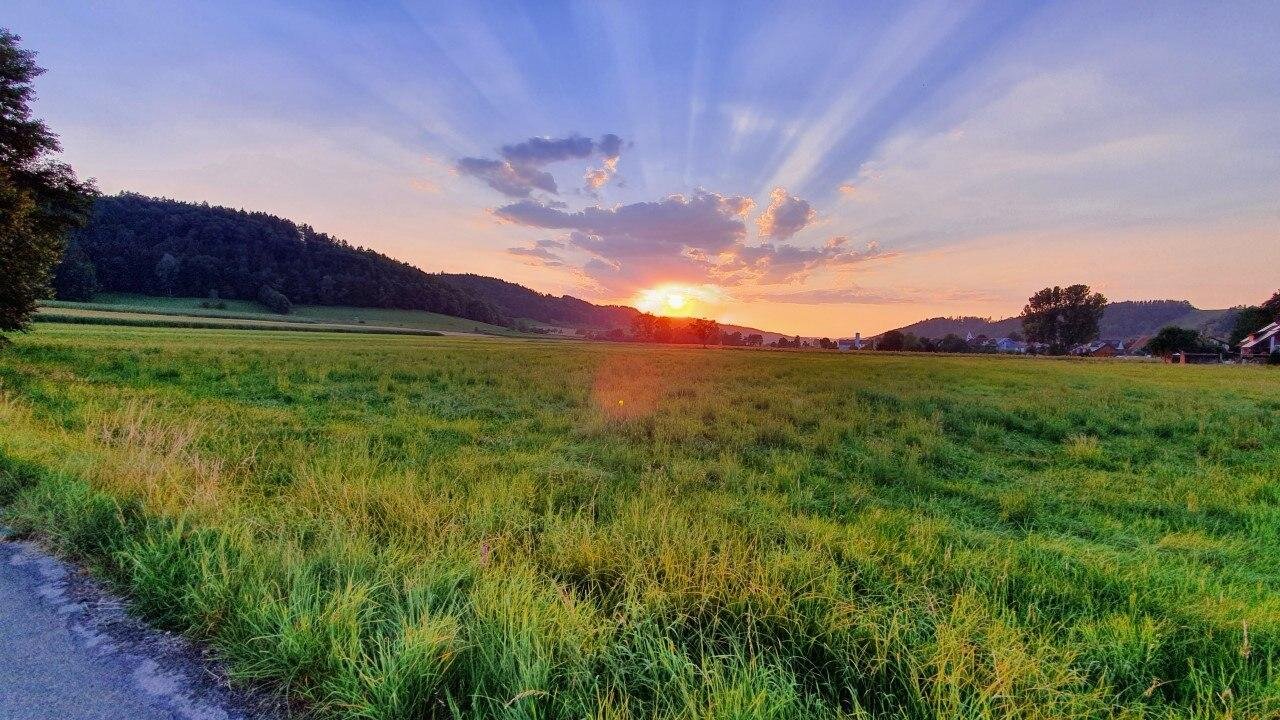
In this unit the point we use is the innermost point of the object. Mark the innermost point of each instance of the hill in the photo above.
(155, 246)
(1120, 320)
(518, 301)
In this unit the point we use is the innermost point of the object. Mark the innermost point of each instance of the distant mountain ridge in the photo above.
(1120, 321)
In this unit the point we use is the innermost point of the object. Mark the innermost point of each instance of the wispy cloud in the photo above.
(538, 254)
(856, 295)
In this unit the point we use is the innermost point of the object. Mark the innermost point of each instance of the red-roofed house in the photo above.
(1261, 344)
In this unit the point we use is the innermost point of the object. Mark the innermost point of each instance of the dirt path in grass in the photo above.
(68, 651)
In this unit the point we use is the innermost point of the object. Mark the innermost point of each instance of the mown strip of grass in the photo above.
(177, 321)
(538, 529)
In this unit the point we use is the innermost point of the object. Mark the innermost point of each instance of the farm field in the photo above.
(167, 310)
(399, 527)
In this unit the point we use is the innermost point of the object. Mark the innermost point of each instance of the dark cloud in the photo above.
(610, 145)
(785, 216)
(538, 152)
(704, 221)
(520, 170)
(510, 180)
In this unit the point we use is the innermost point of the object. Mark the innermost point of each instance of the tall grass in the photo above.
(408, 527)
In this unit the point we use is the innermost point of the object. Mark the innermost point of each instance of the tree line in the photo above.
(157, 246)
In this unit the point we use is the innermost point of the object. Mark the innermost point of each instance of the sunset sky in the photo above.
(808, 168)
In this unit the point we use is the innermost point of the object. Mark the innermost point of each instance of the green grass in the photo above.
(186, 308)
(84, 316)
(399, 527)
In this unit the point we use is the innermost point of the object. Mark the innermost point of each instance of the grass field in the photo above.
(95, 316)
(163, 311)
(399, 527)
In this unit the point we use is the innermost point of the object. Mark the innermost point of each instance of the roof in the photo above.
(1261, 335)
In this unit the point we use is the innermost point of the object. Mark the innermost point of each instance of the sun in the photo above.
(678, 300)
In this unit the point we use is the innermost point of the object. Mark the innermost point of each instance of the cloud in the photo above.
(703, 221)
(520, 171)
(538, 255)
(856, 295)
(424, 185)
(598, 178)
(833, 296)
(848, 189)
(610, 147)
(540, 151)
(780, 262)
(696, 238)
(510, 180)
(785, 216)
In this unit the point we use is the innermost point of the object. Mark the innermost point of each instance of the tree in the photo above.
(75, 277)
(1272, 306)
(642, 326)
(276, 301)
(1063, 317)
(1251, 319)
(663, 329)
(892, 340)
(1174, 339)
(40, 199)
(705, 330)
(755, 340)
(166, 270)
(953, 343)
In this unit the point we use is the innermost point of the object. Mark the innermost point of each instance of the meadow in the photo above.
(153, 311)
(402, 527)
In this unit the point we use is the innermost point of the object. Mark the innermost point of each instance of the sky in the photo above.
(814, 168)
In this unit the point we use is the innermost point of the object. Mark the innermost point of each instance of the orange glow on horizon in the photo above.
(678, 300)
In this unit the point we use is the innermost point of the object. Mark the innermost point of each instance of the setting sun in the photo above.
(678, 300)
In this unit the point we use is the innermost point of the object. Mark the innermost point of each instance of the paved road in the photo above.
(68, 651)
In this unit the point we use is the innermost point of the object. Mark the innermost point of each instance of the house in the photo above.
(1097, 348)
(1009, 345)
(1261, 344)
(1137, 345)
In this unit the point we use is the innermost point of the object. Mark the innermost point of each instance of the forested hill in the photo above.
(1120, 320)
(155, 246)
(518, 301)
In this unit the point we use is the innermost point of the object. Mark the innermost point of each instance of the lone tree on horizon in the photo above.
(40, 198)
(1063, 317)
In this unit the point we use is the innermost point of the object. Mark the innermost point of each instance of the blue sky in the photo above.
(814, 167)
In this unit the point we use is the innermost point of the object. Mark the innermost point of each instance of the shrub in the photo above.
(274, 300)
